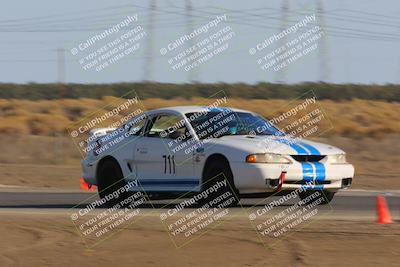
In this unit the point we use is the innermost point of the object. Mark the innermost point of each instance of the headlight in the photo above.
(338, 159)
(267, 158)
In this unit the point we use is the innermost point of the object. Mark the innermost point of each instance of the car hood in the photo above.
(279, 145)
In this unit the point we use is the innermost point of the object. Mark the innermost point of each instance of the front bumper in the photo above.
(258, 177)
(88, 171)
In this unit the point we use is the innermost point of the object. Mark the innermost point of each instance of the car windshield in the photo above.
(215, 124)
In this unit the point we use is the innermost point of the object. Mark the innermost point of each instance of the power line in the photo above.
(344, 31)
(341, 33)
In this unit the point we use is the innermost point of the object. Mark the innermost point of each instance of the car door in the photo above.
(160, 166)
(133, 135)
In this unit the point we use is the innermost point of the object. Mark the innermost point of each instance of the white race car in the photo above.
(177, 150)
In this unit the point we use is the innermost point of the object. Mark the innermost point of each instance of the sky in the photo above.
(360, 42)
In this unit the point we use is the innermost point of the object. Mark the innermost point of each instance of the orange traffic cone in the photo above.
(86, 186)
(382, 211)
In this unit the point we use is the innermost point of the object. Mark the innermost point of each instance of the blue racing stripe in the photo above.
(320, 171)
(307, 167)
(308, 174)
(312, 149)
(299, 149)
(316, 187)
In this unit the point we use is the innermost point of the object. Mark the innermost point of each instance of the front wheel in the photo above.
(218, 175)
(327, 196)
(110, 181)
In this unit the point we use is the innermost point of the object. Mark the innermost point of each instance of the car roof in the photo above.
(191, 109)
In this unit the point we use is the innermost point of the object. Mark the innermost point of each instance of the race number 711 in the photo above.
(169, 164)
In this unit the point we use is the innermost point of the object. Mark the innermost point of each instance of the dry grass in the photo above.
(47, 117)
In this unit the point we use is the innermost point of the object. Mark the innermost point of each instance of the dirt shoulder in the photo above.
(376, 160)
(51, 239)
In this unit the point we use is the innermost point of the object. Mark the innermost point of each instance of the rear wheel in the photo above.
(216, 173)
(110, 179)
(326, 196)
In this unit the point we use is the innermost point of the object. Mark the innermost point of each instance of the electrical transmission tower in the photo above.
(61, 65)
(149, 59)
(192, 75)
(324, 60)
(281, 74)
(61, 71)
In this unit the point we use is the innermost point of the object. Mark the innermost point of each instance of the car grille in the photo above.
(307, 183)
(307, 158)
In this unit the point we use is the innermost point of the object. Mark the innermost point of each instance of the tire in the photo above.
(217, 172)
(110, 179)
(327, 196)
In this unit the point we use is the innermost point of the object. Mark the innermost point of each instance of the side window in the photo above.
(136, 125)
(161, 126)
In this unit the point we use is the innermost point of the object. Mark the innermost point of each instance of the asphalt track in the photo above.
(347, 204)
